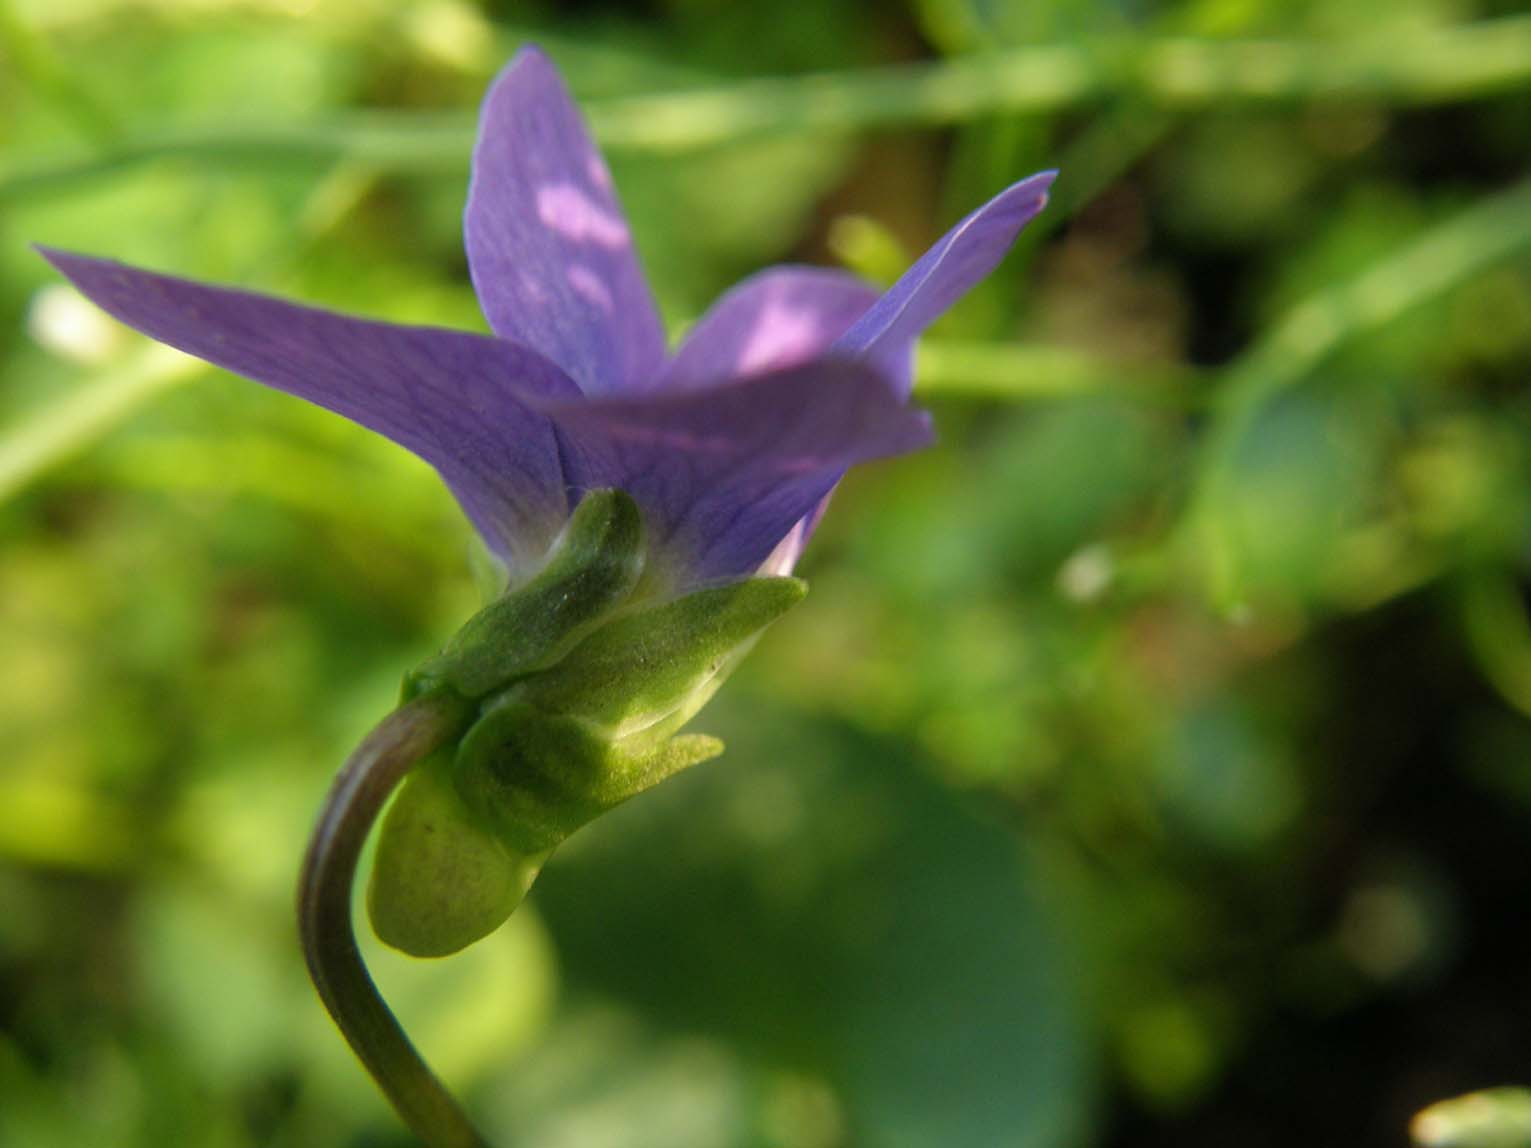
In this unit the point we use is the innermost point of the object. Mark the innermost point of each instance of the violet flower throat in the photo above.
(649, 507)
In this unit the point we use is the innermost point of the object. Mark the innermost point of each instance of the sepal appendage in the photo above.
(576, 684)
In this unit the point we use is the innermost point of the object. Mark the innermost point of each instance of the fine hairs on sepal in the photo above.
(592, 568)
(575, 684)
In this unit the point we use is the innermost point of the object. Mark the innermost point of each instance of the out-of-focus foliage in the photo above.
(1151, 763)
(1494, 1118)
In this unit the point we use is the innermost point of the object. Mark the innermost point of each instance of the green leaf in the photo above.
(845, 925)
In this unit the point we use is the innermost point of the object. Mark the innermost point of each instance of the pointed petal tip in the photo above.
(60, 259)
(90, 274)
(102, 281)
(528, 59)
(531, 50)
(1032, 193)
(1026, 197)
(529, 56)
(946, 272)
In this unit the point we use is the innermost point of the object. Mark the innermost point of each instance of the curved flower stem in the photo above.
(401, 740)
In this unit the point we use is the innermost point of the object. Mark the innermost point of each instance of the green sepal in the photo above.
(537, 777)
(646, 672)
(579, 688)
(593, 568)
(442, 878)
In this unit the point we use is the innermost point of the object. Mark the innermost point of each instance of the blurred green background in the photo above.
(1151, 762)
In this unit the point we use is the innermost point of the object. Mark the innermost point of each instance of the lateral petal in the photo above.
(455, 399)
(778, 318)
(945, 273)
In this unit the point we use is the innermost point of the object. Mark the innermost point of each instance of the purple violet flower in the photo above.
(731, 446)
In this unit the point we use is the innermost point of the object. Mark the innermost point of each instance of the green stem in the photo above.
(1014, 372)
(1412, 66)
(42, 68)
(374, 770)
(1442, 258)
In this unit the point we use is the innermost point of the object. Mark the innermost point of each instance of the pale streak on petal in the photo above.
(540, 200)
(578, 218)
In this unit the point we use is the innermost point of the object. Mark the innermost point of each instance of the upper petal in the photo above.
(777, 318)
(962, 258)
(455, 399)
(549, 249)
(724, 472)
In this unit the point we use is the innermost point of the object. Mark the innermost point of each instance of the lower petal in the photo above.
(723, 473)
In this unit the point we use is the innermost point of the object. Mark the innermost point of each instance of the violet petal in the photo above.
(454, 399)
(959, 260)
(724, 473)
(778, 318)
(783, 560)
(549, 248)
